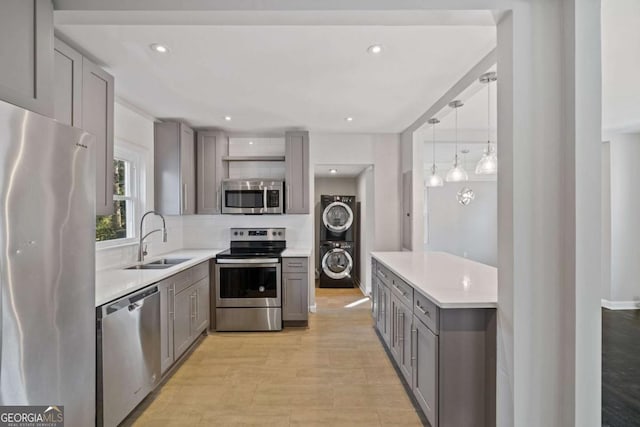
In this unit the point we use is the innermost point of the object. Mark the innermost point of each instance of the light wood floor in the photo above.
(333, 373)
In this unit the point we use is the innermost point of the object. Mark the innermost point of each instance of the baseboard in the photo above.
(621, 305)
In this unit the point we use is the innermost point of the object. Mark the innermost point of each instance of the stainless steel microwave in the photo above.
(252, 197)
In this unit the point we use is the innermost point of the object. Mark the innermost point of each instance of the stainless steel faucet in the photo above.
(142, 251)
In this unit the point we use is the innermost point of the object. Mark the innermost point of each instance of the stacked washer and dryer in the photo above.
(337, 241)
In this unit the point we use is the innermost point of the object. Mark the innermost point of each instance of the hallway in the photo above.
(333, 373)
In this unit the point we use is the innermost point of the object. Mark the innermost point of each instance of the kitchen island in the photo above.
(435, 313)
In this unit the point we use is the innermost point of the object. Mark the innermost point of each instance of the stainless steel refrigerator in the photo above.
(47, 265)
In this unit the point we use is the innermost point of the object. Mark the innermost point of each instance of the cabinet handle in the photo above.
(193, 309)
(414, 332)
(288, 197)
(382, 273)
(218, 201)
(421, 310)
(184, 198)
(172, 295)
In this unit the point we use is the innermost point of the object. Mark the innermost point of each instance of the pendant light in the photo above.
(434, 179)
(488, 164)
(457, 172)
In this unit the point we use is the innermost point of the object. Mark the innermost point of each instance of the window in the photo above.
(119, 227)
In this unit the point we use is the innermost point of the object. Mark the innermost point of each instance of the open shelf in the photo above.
(253, 158)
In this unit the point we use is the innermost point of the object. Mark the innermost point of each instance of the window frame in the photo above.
(134, 190)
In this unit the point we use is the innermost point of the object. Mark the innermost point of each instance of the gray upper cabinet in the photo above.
(97, 119)
(26, 49)
(297, 172)
(67, 85)
(212, 146)
(174, 161)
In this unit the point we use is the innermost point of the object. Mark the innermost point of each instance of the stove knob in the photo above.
(242, 233)
(274, 233)
(279, 233)
(235, 233)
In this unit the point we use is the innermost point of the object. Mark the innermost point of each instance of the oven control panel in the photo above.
(258, 234)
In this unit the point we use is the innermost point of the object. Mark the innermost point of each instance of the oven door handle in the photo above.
(247, 261)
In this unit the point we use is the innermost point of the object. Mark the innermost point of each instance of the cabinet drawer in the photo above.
(199, 272)
(188, 277)
(402, 290)
(427, 311)
(295, 265)
(384, 274)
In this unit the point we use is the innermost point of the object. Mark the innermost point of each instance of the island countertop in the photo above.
(449, 281)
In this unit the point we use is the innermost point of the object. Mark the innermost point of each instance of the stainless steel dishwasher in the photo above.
(128, 354)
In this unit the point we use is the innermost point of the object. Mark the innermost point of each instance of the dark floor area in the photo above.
(620, 368)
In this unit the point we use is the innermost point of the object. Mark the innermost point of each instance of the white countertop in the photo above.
(447, 280)
(117, 282)
(297, 252)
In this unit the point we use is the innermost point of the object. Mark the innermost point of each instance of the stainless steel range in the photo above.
(249, 281)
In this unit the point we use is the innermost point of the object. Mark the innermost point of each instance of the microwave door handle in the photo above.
(264, 203)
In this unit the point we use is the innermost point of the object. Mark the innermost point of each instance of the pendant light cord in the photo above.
(489, 117)
(456, 156)
(434, 148)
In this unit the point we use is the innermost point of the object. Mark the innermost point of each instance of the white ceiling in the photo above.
(620, 65)
(268, 78)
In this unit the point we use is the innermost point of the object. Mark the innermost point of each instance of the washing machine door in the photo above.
(337, 217)
(337, 264)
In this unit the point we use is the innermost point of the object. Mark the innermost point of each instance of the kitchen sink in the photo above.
(159, 264)
(169, 261)
(149, 267)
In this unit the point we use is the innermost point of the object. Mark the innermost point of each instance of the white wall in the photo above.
(606, 221)
(366, 195)
(384, 185)
(330, 186)
(136, 128)
(625, 219)
(469, 231)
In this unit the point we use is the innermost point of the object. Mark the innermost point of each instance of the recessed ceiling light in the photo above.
(374, 49)
(348, 119)
(250, 142)
(333, 171)
(160, 48)
(227, 118)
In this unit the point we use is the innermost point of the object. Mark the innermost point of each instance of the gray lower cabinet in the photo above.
(446, 356)
(191, 315)
(425, 370)
(384, 312)
(167, 292)
(211, 147)
(295, 290)
(97, 119)
(401, 322)
(26, 49)
(297, 172)
(174, 169)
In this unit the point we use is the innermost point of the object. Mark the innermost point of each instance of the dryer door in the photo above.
(337, 217)
(337, 264)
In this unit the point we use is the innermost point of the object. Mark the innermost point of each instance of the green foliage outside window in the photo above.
(109, 227)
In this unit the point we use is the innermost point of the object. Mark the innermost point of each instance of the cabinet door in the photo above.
(167, 294)
(404, 327)
(295, 303)
(374, 299)
(97, 119)
(67, 102)
(297, 172)
(201, 317)
(425, 370)
(26, 49)
(211, 170)
(384, 322)
(183, 321)
(187, 171)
